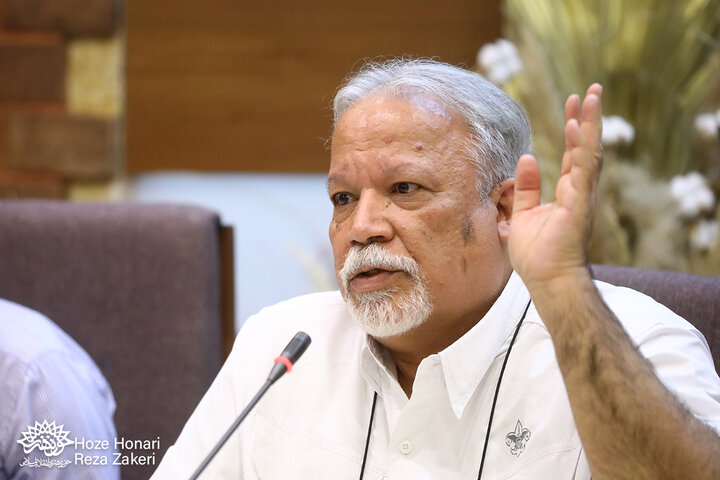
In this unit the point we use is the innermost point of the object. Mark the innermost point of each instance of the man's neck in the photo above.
(433, 336)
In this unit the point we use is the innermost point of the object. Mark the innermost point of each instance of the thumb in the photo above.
(527, 184)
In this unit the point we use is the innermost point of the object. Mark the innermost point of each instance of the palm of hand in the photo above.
(549, 241)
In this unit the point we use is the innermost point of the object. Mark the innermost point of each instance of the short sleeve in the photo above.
(684, 364)
(59, 389)
(676, 349)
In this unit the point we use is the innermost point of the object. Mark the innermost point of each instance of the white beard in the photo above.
(385, 313)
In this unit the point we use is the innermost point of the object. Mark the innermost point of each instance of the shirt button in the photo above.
(405, 447)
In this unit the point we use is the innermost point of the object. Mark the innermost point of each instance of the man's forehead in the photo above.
(418, 120)
(383, 103)
(412, 134)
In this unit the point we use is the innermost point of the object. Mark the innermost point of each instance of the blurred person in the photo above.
(52, 395)
(468, 339)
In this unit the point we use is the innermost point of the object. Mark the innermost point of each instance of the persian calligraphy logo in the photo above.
(46, 437)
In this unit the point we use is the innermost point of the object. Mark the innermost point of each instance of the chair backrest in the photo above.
(694, 297)
(142, 288)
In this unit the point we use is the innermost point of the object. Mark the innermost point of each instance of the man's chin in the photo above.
(384, 333)
(381, 316)
(361, 299)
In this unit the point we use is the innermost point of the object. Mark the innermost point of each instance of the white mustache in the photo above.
(375, 257)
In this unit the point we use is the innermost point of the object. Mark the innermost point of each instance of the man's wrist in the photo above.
(549, 288)
(569, 305)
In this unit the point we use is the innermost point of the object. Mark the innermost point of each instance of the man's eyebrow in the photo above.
(333, 179)
(421, 169)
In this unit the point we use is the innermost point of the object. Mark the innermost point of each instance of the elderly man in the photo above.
(468, 339)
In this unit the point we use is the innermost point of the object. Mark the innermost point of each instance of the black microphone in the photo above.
(283, 365)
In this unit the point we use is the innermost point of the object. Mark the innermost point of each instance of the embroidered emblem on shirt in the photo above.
(516, 440)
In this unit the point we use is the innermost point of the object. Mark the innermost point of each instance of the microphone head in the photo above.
(296, 347)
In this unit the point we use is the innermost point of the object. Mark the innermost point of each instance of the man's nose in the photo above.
(369, 220)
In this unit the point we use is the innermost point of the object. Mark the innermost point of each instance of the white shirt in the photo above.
(46, 376)
(314, 422)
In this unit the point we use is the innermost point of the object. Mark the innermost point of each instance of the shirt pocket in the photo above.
(556, 462)
(279, 454)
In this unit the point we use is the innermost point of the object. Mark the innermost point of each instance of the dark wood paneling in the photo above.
(246, 85)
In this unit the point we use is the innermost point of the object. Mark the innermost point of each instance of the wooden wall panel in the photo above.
(245, 85)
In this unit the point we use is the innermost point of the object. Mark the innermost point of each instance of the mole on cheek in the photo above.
(387, 204)
(467, 230)
(418, 147)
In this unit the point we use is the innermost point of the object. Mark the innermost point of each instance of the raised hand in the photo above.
(548, 242)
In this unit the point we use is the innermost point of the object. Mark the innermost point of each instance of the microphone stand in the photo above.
(283, 364)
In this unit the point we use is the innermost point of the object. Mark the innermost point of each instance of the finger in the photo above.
(591, 117)
(527, 184)
(594, 89)
(566, 159)
(572, 110)
(583, 170)
(572, 107)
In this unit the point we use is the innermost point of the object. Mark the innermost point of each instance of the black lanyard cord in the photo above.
(492, 409)
(497, 389)
(367, 440)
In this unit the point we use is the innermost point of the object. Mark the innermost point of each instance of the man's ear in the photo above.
(502, 196)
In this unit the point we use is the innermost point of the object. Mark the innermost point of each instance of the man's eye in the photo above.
(342, 198)
(406, 187)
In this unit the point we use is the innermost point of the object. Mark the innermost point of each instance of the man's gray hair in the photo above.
(499, 129)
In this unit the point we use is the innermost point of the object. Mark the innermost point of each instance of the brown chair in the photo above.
(145, 289)
(694, 297)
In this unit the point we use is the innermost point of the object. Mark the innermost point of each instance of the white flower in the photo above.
(707, 124)
(692, 194)
(705, 234)
(499, 61)
(616, 131)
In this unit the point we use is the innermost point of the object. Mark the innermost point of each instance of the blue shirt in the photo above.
(47, 381)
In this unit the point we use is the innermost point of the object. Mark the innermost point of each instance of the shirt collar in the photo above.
(375, 360)
(465, 362)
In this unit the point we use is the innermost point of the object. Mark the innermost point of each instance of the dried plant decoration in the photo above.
(659, 63)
